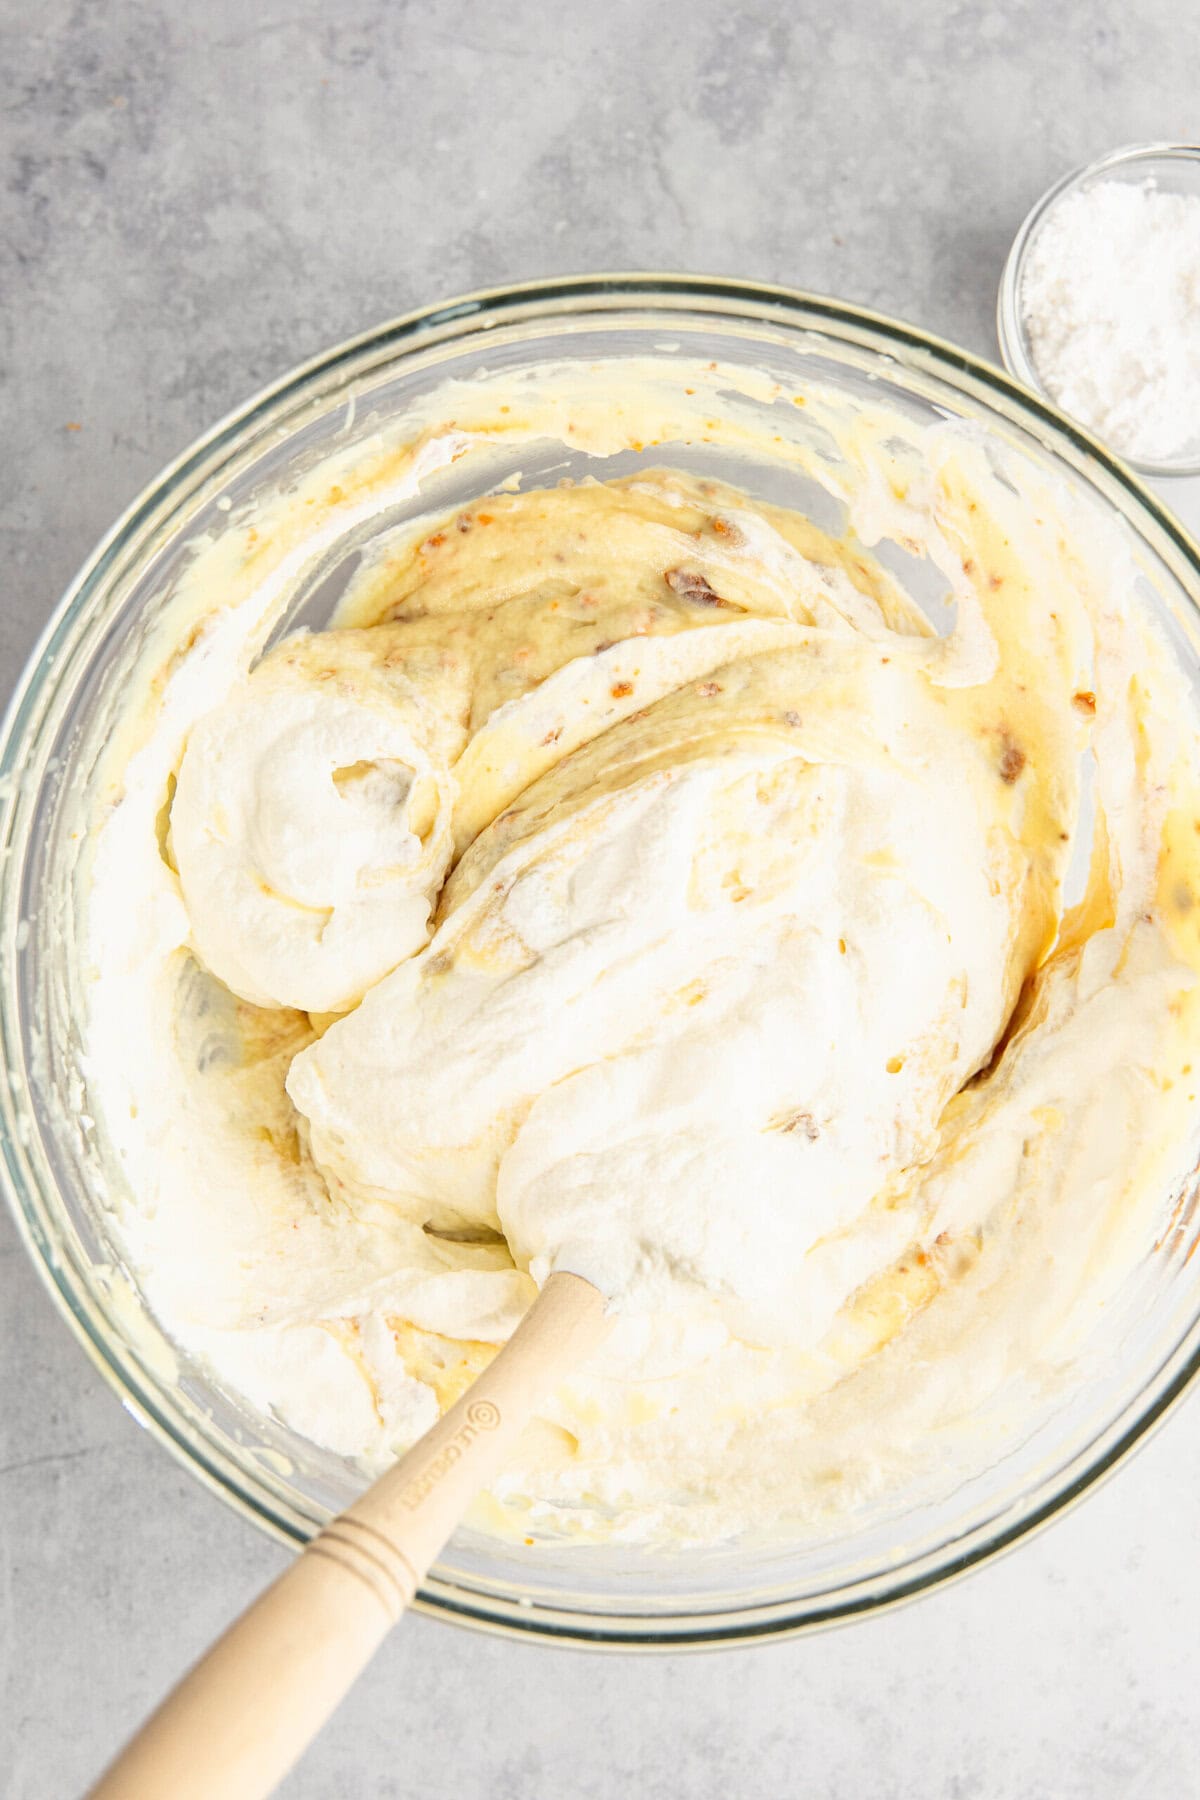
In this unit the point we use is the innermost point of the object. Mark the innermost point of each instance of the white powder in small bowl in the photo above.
(1111, 304)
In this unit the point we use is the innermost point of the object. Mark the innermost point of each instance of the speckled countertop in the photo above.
(194, 199)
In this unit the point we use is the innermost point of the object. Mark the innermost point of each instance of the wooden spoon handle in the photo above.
(242, 1715)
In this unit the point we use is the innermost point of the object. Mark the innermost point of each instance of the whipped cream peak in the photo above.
(311, 821)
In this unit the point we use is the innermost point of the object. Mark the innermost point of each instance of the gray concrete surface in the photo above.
(196, 197)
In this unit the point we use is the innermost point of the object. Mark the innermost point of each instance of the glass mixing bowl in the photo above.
(1149, 1344)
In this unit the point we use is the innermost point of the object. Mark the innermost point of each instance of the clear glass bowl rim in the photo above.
(732, 302)
(1009, 329)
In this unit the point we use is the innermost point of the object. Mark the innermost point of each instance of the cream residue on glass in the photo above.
(632, 881)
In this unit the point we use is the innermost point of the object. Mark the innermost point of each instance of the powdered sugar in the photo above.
(1111, 304)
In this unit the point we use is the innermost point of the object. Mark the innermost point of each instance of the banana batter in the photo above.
(631, 880)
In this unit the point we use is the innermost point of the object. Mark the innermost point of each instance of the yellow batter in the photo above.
(633, 881)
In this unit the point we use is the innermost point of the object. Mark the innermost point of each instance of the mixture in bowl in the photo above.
(632, 880)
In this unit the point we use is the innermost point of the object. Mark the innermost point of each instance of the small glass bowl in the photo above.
(1175, 169)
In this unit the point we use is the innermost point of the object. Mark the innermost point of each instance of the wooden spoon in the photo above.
(242, 1715)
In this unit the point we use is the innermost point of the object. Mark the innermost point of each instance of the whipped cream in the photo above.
(700, 995)
(311, 819)
(633, 881)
